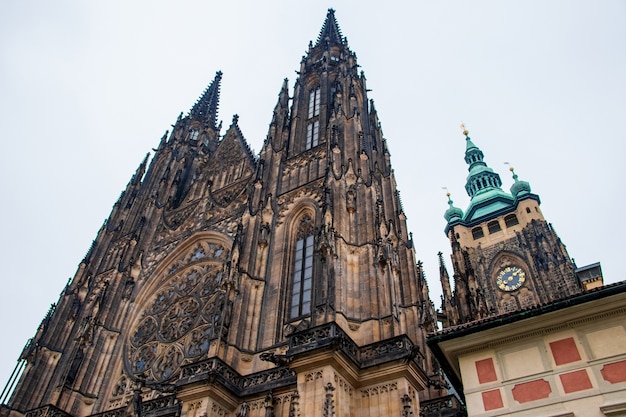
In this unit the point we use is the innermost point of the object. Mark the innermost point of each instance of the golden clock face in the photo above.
(510, 278)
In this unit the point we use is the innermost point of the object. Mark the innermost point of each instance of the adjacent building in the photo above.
(526, 332)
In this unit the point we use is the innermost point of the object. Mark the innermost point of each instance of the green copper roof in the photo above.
(481, 178)
(519, 187)
(453, 213)
(483, 185)
(488, 202)
(469, 144)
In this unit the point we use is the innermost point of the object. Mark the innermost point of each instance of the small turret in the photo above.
(453, 213)
(519, 187)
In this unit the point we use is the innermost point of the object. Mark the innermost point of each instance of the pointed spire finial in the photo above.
(447, 195)
(330, 32)
(512, 171)
(453, 213)
(465, 131)
(206, 107)
(442, 263)
(518, 187)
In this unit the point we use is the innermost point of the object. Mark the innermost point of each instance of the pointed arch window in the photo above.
(313, 123)
(193, 134)
(302, 273)
(314, 103)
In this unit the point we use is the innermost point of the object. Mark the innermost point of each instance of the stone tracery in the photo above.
(183, 316)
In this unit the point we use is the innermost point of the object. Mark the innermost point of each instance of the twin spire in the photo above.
(205, 109)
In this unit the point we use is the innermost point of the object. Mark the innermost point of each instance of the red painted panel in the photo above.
(614, 372)
(564, 351)
(575, 381)
(486, 371)
(531, 391)
(492, 400)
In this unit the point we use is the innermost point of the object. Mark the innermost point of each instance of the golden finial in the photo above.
(465, 131)
(510, 167)
(447, 192)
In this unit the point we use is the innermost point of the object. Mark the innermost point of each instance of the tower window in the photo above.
(312, 134)
(302, 277)
(314, 102)
(527, 209)
(511, 220)
(477, 232)
(193, 134)
(302, 273)
(494, 226)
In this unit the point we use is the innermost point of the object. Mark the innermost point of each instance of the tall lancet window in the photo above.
(314, 103)
(312, 134)
(193, 135)
(302, 275)
(313, 124)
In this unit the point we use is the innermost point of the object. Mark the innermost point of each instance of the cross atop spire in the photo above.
(330, 31)
(205, 109)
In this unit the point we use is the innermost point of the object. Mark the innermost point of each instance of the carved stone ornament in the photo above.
(180, 320)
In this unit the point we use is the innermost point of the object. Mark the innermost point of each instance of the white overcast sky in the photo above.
(88, 87)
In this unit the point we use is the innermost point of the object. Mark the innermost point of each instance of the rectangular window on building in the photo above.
(302, 278)
(477, 233)
(511, 220)
(314, 102)
(494, 226)
(312, 134)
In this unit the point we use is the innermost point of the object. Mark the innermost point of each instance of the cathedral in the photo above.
(284, 284)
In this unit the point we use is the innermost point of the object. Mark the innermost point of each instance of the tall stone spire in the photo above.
(330, 31)
(205, 109)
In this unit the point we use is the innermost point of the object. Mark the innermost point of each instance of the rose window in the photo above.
(184, 315)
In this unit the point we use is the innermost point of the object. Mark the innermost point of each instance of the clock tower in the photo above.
(506, 257)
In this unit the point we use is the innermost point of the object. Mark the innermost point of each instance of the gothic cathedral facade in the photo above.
(231, 284)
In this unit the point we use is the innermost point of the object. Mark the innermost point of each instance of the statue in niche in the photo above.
(326, 241)
(264, 234)
(351, 200)
(120, 389)
(269, 404)
(129, 286)
(244, 410)
(336, 95)
(76, 305)
(73, 372)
